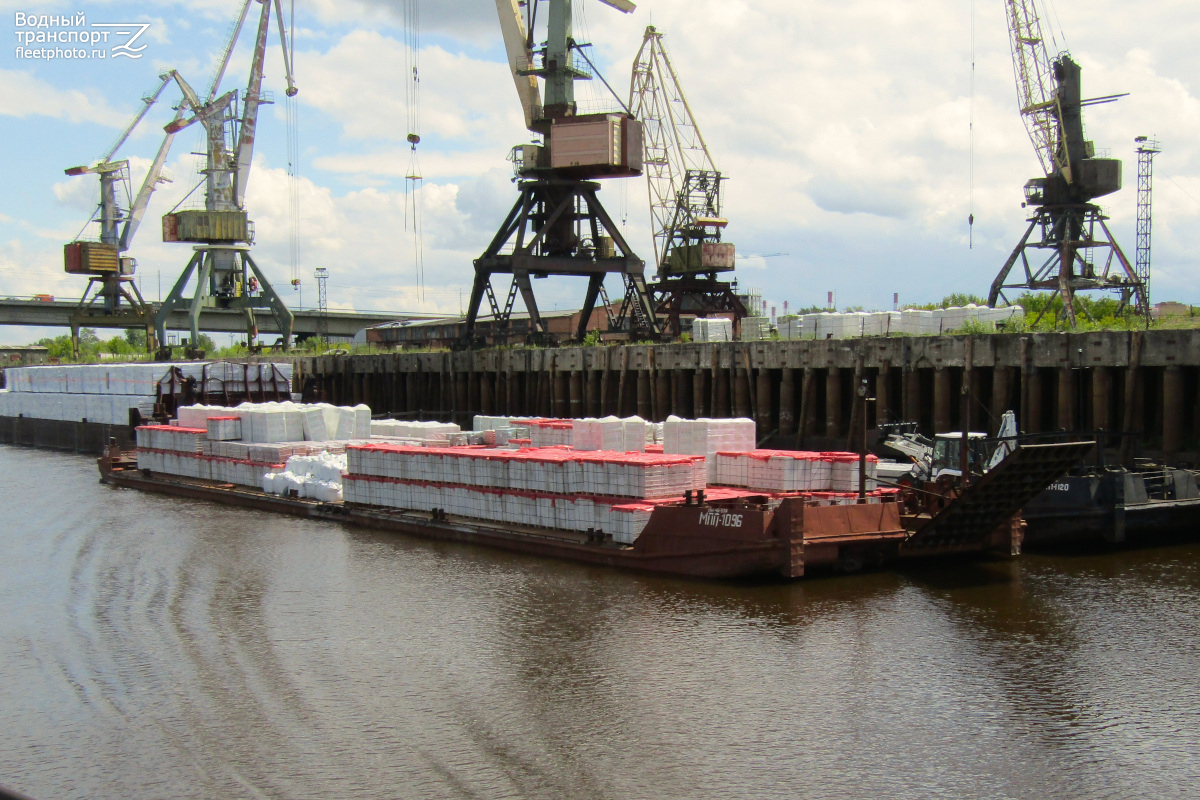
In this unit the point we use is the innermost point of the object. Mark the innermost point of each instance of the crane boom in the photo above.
(137, 210)
(147, 101)
(227, 51)
(682, 181)
(1037, 91)
(245, 145)
(520, 57)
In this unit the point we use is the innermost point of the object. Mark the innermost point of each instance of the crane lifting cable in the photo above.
(293, 157)
(971, 146)
(412, 102)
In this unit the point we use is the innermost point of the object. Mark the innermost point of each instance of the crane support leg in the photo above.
(174, 299)
(283, 315)
(997, 289)
(589, 305)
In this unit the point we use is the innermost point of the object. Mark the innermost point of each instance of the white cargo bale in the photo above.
(313, 419)
(633, 434)
(362, 421)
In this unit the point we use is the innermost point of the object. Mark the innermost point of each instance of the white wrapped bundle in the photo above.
(633, 434)
(346, 422)
(362, 422)
(224, 428)
(612, 434)
(293, 422)
(313, 420)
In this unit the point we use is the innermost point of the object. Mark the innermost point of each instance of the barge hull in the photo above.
(728, 540)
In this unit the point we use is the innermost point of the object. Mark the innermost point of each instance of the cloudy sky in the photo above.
(844, 129)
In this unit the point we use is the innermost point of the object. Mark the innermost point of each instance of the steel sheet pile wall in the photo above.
(547, 487)
(229, 377)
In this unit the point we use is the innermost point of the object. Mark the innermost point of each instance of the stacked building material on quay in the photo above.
(909, 322)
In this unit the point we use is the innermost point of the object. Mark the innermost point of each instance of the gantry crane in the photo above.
(1081, 249)
(558, 226)
(226, 275)
(685, 195)
(112, 298)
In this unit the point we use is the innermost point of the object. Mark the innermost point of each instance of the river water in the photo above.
(153, 647)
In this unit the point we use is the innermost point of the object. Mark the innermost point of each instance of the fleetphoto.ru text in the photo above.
(53, 36)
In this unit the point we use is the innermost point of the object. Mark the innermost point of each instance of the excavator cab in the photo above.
(947, 453)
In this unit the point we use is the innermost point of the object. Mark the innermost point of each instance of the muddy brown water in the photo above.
(154, 647)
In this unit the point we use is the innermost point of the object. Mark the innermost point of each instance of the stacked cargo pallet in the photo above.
(424, 431)
(106, 393)
(93, 393)
(287, 421)
(707, 437)
(552, 487)
(755, 329)
(780, 471)
(712, 329)
(188, 452)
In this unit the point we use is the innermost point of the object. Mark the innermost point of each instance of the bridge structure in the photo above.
(54, 313)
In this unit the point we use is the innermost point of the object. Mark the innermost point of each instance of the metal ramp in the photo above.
(998, 494)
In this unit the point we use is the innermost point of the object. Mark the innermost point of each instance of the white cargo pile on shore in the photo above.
(712, 329)
(909, 322)
(318, 477)
(755, 329)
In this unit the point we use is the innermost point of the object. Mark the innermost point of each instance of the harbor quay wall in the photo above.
(805, 393)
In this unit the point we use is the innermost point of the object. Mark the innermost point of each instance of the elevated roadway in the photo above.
(57, 314)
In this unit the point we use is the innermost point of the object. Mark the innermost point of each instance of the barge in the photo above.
(740, 536)
(1114, 505)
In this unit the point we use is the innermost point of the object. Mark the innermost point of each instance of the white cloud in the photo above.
(23, 95)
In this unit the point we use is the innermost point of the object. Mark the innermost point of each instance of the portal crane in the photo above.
(685, 195)
(112, 298)
(558, 226)
(1081, 248)
(226, 275)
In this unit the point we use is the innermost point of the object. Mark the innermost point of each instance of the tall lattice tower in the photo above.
(322, 276)
(1147, 149)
